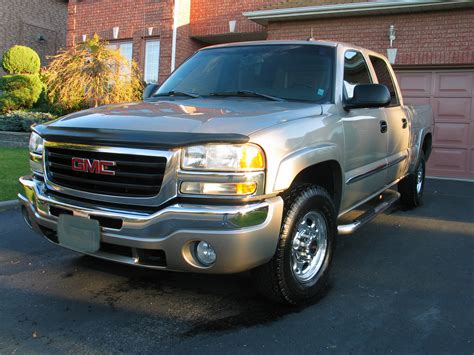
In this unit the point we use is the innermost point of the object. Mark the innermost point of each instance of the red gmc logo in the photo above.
(94, 166)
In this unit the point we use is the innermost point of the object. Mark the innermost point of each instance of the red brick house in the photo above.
(434, 42)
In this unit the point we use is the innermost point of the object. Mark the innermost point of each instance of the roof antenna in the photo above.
(311, 38)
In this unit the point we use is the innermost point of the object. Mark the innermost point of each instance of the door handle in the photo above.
(404, 123)
(383, 126)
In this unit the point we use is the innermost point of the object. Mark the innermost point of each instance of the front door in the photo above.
(366, 141)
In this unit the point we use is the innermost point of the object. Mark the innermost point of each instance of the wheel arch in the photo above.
(319, 166)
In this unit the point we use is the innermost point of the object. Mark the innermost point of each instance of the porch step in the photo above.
(373, 208)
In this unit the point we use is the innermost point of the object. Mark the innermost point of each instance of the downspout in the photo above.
(175, 33)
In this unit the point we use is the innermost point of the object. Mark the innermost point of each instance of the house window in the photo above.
(125, 48)
(152, 61)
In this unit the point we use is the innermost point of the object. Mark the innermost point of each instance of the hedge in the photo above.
(21, 121)
(19, 91)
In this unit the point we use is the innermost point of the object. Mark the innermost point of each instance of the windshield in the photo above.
(290, 72)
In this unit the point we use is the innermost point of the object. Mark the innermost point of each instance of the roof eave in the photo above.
(353, 9)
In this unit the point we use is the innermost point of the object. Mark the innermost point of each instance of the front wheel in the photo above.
(298, 272)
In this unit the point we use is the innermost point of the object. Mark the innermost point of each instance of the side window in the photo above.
(384, 77)
(355, 72)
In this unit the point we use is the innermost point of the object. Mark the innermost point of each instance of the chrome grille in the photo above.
(135, 175)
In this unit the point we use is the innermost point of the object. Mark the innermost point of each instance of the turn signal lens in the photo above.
(251, 158)
(229, 189)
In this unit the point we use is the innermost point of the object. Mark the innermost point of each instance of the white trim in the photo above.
(175, 34)
(263, 16)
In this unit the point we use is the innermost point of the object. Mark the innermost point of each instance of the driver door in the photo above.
(365, 138)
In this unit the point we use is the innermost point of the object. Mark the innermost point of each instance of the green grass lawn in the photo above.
(14, 162)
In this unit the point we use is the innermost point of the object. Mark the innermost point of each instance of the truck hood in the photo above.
(172, 120)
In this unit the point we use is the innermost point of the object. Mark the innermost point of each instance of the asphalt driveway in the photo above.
(403, 284)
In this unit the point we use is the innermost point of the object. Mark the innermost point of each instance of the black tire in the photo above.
(411, 194)
(277, 279)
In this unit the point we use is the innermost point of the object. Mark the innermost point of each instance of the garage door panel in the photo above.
(454, 109)
(457, 84)
(415, 84)
(451, 95)
(471, 165)
(447, 160)
(452, 134)
(416, 101)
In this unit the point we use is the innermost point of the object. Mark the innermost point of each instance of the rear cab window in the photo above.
(385, 78)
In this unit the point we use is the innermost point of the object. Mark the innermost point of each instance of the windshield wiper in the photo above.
(177, 93)
(246, 93)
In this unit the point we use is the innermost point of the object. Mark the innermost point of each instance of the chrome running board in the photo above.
(386, 199)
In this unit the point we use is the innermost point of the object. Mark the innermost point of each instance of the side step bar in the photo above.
(387, 199)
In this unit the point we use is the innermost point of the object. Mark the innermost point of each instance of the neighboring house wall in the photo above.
(428, 38)
(23, 21)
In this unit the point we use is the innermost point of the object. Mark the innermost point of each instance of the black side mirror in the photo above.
(368, 96)
(150, 90)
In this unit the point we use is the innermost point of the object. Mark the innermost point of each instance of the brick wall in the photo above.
(133, 17)
(212, 16)
(22, 21)
(431, 38)
(441, 37)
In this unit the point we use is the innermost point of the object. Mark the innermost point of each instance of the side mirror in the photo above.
(369, 96)
(150, 90)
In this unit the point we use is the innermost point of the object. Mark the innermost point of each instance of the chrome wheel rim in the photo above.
(419, 179)
(309, 246)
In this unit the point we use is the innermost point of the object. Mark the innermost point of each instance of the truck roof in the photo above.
(333, 44)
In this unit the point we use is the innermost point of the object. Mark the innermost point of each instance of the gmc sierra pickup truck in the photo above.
(250, 156)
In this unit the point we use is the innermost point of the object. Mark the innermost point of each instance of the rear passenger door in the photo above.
(398, 130)
(365, 142)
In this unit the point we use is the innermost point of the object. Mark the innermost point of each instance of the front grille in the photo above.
(135, 175)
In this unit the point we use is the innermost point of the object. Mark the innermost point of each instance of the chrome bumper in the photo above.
(243, 236)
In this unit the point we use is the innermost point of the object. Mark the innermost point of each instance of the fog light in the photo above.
(205, 253)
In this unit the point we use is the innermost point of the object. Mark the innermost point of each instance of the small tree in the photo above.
(21, 60)
(22, 87)
(91, 74)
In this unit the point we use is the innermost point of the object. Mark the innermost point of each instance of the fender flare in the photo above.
(416, 152)
(297, 161)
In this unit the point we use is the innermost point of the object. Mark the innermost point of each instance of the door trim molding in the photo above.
(387, 164)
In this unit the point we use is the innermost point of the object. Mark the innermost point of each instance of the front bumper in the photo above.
(243, 236)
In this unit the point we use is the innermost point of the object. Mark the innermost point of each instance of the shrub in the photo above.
(21, 121)
(21, 60)
(19, 91)
(91, 74)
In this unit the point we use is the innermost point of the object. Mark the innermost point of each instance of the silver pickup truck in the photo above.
(251, 156)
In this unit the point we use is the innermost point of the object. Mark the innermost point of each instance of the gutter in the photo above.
(361, 8)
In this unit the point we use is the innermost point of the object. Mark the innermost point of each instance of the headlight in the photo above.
(223, 157)
(36, 143)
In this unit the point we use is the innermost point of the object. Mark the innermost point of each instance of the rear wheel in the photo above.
(299, 270)
(411, 187)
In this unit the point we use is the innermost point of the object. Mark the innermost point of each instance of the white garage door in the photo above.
(451, 95)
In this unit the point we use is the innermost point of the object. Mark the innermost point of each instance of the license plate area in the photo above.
(79, 233)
